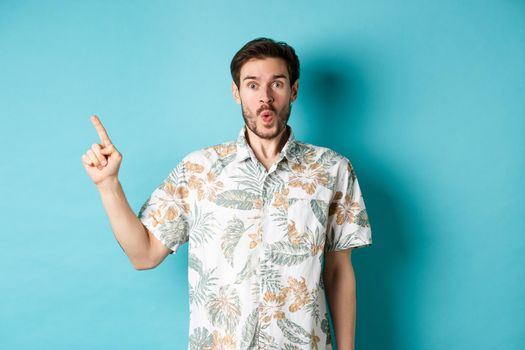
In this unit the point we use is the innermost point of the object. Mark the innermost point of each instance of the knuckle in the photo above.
(93, 158)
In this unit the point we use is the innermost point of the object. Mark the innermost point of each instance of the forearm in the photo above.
(341, 293)
(127, 228)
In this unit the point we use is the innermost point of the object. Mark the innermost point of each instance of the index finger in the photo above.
(101, 131)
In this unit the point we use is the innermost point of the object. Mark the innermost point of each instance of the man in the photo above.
(270, 221)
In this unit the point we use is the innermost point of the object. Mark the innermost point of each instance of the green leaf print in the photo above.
(313, 306)
(232, 235)
(236, 199)
(315, 240)
(202, 227)
(207, 281)
(224, 309)
(291, 201)
(275, 183)
(270, 278)
(175, 234)
(200, 338)
(325, 327)
(195, 263)
(330, 181)
(285, 253)
(280, 218)
(362, 219)
(319, 208)
(350, 239)
(221, 163)
(293, 332)
(350, 185)
(251, 178)
(249, 268)
(249, 329)
(304, 152)
(201, 292)
(263, 340)
(328, 159)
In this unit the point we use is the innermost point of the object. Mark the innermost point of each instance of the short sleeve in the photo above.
(166, 212)
(348, 225)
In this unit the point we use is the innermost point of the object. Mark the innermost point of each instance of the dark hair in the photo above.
(262, 48)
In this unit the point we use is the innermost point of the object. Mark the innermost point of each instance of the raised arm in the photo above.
(102, 163)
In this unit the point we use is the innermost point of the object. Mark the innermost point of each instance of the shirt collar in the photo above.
(244, 151)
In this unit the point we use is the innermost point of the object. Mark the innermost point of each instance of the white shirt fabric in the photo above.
(257, 240)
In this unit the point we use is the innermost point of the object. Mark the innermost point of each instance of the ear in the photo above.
(236, 94)
(295, 90)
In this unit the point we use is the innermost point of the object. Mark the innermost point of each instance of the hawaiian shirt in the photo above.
(256, 240)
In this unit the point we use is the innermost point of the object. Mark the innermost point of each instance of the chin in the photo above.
(269, 133)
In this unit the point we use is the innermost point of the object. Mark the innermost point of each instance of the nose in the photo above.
(266, 95)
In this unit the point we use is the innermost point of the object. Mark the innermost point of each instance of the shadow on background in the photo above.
(337, 101)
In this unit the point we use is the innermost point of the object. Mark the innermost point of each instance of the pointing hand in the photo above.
(101, 161)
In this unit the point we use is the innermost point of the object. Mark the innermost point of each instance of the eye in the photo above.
(251, 85)
(277, 84)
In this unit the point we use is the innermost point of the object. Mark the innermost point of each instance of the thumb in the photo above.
(107, 150)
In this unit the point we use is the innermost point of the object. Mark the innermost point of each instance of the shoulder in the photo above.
(323, 156)
(206, 158)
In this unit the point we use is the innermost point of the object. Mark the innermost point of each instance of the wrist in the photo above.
(111, 184)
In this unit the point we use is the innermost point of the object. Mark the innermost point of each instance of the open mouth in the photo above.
(267, 116)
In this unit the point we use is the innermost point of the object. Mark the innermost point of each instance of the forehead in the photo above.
(264, 67)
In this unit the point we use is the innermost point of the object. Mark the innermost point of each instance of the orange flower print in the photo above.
(309, 155)
(308, 177)
(299, 292)
(193, 167)
(268, 233)
(272, 306)
(293, 236)
(256, 237)
(179, 195)
(314, 340)
(196, 183)
(225, 150)
(212, 186)
(221, 342)
(281, 199)
(258, 203)
(171, 214)
(156, 217)
(208, 188)
(316, 248)
(345, 212)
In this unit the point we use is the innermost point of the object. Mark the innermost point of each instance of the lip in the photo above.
(267, 116)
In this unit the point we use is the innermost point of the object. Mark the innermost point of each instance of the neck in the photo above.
(266, 150)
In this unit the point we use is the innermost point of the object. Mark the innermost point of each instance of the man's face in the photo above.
(265, 96)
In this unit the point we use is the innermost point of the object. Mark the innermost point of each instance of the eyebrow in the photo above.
(276, 76)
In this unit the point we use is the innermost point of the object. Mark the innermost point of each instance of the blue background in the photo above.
(425, 97)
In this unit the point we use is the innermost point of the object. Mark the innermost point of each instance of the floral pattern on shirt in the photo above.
(257, 239)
